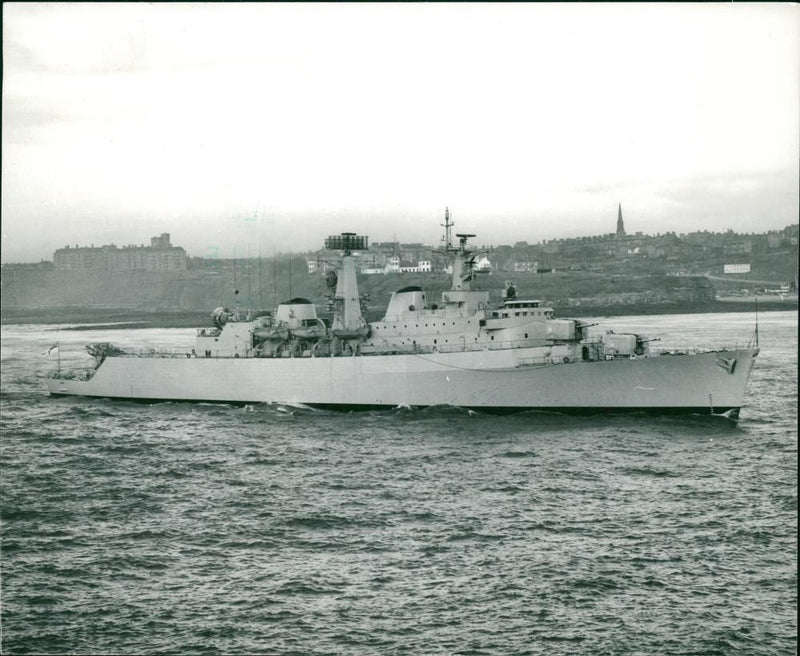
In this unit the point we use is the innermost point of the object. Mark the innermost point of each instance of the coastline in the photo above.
(105, 318)
(128, 318)
(767, 304)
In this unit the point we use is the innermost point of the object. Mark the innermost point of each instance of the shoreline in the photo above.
(700, 307)
(129, 318)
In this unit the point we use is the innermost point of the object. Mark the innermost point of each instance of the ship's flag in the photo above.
(51, 350)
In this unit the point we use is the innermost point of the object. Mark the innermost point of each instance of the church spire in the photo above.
(620, 225)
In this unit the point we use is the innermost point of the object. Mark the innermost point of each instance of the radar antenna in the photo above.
(347, 242)
(462, 240)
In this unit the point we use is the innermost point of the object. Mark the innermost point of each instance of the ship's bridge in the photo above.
(412, 301)
(521, 308)
(519, 303)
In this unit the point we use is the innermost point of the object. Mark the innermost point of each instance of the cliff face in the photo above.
(205, 289)
(132, 289)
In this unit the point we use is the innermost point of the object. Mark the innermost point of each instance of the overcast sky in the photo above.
(239, 128)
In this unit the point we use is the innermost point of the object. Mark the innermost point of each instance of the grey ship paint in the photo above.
(460, 351)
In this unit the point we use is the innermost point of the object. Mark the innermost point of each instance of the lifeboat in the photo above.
(351, 333)
(310, 329)
(277, 332)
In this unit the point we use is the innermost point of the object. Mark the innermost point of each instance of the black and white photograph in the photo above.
(399, 328)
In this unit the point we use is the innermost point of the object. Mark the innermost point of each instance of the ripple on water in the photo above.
(181, 528)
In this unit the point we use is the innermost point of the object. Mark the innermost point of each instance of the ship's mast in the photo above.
(459, 256)
(462, 264)
(347, 324)
(447, 225)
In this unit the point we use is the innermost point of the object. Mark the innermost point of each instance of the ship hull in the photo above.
(500, 381)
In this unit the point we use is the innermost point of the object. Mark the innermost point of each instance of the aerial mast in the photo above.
(447, 225)
(459, 255)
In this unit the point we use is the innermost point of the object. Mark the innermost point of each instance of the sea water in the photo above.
(191, 528)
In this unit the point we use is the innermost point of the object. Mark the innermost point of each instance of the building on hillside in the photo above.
(389, 257)
(161, 255)
(483, 265)
(422, 266)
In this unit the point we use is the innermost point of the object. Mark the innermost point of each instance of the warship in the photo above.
(459, 350)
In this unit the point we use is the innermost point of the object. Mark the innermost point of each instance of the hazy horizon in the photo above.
(244, 129)
(251, 250)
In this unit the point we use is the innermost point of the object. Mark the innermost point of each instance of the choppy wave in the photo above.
(218, 528)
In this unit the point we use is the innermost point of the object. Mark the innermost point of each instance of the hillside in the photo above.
(185, 298)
